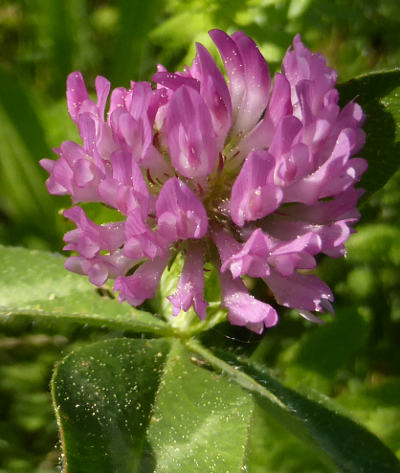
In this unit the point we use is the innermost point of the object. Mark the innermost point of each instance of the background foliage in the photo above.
(353, 359)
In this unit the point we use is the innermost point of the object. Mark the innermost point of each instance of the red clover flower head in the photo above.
(254, 179)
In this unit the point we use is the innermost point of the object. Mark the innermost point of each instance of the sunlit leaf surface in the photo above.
(145, 406)
(35, 283)
(379, 95)
(342, 441)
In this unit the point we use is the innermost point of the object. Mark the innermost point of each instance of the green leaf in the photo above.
(201, 419)
(131, 59)
(103, 396)
(23, 195)
(143, 406)
(189, 23)
(375, 244)
(376, 405)
(272, 448)
(299, 363)
(63, 40)
(35, 283)
(297, 8)
(379, 95)
(348, 445)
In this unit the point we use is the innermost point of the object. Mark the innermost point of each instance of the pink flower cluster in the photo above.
(254, 179)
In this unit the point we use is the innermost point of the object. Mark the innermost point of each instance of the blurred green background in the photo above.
(354, 359)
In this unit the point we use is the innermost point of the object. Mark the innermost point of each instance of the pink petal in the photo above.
(254, 194)
(88, 239)
(190, 289)
(141, 241)
(141, 95)
(285, 135)
(117, 100)
(130, 133)
(243, 308)
(76, 173)
(58, 185)
(333, 177)
(190, 134)
(249, 79)
(159, 98)
(325, 212)
(127, 172)
(180, 213)
(99, 268)
(252, 258)
(118, 196)
(258, 82)
(299, 291)
(280, 104)
(87, 130)
(214, 91)
(97, 272)
(300, 64)
(102, 90)
(227, 246)
(142, 284)
(286, 264)
(173, 81)
(234, 66)
(76, 94)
